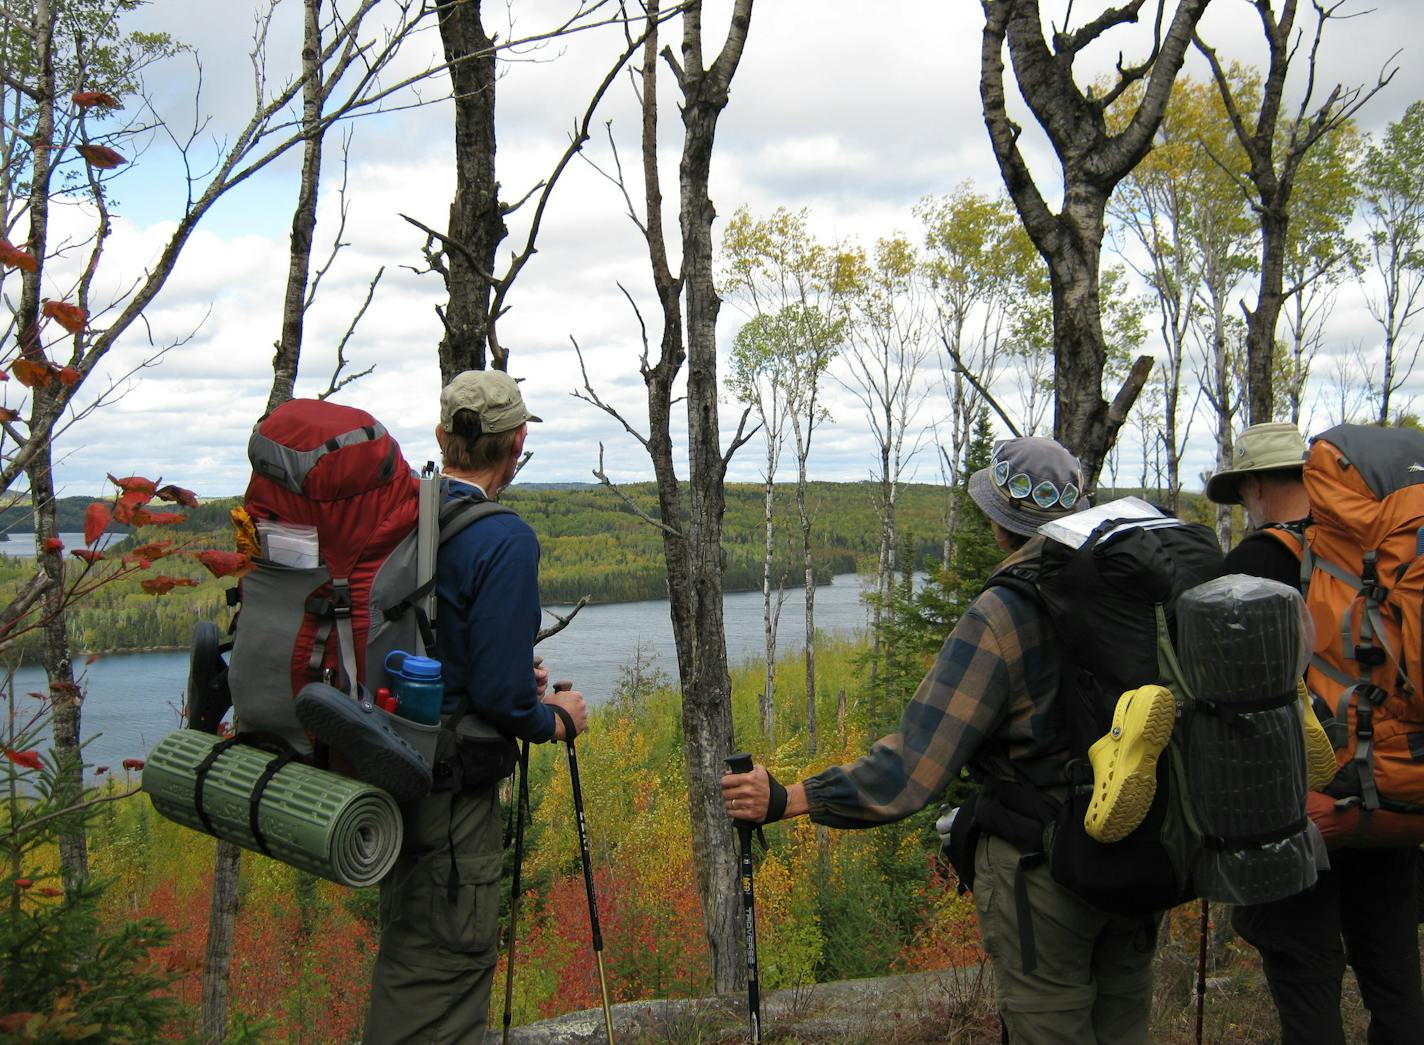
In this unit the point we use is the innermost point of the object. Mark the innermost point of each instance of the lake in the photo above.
(133, 700)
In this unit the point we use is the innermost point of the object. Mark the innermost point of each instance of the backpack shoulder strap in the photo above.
(459, 513)
(1291, 534)
(455, 515)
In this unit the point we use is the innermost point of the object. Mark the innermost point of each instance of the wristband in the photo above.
(776, 801)
(567, 720)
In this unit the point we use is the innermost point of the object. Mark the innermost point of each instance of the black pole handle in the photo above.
(741, 762)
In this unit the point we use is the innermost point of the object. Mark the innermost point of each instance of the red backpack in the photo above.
(1362, 574)
(358, 587)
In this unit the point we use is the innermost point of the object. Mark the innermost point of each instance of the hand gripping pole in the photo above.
(742, 763)
(587, 860)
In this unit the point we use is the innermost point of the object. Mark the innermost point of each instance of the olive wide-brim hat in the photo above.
(1273, 447)
(1029, 482)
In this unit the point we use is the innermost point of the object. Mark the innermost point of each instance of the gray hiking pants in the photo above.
(439, 924)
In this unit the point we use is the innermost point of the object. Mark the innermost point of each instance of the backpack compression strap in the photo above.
(1370, 652)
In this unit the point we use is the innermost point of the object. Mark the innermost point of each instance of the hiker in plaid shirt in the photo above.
(989, 701)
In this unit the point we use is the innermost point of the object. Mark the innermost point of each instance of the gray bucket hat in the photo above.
(1272, 447)
(492, 395)
(1029, 482)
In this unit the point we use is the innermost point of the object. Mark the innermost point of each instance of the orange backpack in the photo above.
(1362, 573)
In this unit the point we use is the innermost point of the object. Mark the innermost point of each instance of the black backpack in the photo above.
(1112, 604)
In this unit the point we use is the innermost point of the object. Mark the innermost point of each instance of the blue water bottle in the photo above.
(419, 689)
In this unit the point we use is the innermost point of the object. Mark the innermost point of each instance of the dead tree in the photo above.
(1270, 179)
(1093, 161)
(691, 525)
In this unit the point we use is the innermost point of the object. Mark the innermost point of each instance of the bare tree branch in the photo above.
(984, 393)
(603, 479)
(562, 621)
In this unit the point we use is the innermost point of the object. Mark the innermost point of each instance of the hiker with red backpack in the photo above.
(1361, 909)
(440, 903)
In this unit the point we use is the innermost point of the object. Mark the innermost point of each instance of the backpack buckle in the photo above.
(1369, 656)
(1374, 694)
(340, 598)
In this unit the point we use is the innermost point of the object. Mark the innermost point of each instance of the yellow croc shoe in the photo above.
(1319, 753)
(1125, 762)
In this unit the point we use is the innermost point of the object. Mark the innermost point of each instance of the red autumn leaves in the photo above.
(129, 508)
(13, 257)
(27, 759)
(33, 370)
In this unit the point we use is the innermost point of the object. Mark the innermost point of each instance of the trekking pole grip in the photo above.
(563, 686)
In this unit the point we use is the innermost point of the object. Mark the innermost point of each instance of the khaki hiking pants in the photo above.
(431, 982)
(1093, 978)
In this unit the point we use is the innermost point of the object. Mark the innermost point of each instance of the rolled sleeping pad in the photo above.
(1242, 643)
(335, 827)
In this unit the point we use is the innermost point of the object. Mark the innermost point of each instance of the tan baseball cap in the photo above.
(492, 395)
(1261, 448)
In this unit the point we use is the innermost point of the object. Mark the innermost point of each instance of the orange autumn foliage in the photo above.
(100, 157)
(71, 317)
(12, 256)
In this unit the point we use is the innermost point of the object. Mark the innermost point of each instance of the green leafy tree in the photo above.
(886, 347)
(1320, 256)
(990, 295)
(778, 270)
(65, 975)
(761, 377)
(1392, 178)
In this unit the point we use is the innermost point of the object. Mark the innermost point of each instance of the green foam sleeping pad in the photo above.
(333, 826)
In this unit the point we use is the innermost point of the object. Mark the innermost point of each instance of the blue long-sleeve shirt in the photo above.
(487, 587)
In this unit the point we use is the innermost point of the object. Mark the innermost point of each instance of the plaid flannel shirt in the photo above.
(989, 698)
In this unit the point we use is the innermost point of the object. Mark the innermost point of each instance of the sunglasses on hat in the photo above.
(1044, 493)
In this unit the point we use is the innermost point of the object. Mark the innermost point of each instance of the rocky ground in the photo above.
(903, 1010)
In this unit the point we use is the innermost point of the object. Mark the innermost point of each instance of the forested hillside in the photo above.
(593, 544)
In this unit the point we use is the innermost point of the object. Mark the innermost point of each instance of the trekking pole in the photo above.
(742, 763)
(1201, 968)
(587, 858)
(521, 800)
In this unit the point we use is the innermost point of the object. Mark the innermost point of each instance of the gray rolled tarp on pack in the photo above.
(1243, 644)
(335, 827)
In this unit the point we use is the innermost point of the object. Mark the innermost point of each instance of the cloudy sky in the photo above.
(854, 111)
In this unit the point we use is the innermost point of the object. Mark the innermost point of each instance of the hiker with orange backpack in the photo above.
(440, 903)
(1361, 908)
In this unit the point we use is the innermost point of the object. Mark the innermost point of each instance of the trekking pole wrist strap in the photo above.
(776, 800)
(567, 720)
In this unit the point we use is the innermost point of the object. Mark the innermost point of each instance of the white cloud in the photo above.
(855, 111)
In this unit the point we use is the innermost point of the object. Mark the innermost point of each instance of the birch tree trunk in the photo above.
(803, 451)
(770, 615)
(707, 703)
(45, 408)
(692, 543)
